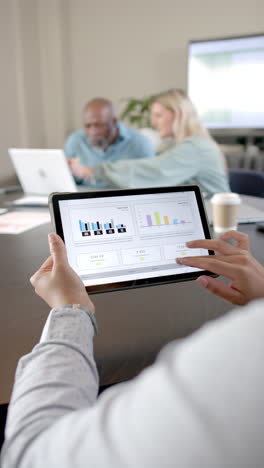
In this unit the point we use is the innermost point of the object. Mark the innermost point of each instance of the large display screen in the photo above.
(225, 81)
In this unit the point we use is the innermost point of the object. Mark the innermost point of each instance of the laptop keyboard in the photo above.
(31, 201)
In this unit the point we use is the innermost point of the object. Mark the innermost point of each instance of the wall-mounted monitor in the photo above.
(226, 81)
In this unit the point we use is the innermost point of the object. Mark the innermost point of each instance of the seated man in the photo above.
(103, 139)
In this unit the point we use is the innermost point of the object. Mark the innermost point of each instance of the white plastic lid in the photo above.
(226, 198)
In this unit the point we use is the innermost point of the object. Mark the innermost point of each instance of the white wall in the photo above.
(57, 54)
(9, 107)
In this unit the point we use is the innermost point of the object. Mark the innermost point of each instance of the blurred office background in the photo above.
(57, 54)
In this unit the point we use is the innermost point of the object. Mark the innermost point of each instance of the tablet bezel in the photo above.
(54, 199)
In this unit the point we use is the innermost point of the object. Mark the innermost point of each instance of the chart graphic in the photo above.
(167, 218)
(162, 220)
(101, 224)
(98, 229)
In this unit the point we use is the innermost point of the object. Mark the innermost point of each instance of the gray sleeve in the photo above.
(58, 377)
(198, 405)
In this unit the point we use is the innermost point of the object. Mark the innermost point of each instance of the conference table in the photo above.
(133, 324)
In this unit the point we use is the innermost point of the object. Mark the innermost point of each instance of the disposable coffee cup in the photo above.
(225, 211)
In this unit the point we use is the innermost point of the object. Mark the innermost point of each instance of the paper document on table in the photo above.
(17, 222)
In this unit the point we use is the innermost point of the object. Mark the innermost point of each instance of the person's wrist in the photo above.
(61, 301)
(85, 309)
(88, 172)
(89, 176)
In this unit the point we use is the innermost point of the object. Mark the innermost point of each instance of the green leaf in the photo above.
(137, 111)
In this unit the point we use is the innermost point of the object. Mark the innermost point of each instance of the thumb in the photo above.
(220, 289)
(57, 249)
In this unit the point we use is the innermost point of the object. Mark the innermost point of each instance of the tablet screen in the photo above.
(126, 238)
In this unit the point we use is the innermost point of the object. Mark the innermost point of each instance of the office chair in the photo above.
(247, 182)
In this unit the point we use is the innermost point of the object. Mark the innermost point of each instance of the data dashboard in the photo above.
(113, 239)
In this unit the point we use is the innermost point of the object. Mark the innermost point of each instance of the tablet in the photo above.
(119, 239)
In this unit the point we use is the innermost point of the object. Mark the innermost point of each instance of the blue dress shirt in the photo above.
(130, 144)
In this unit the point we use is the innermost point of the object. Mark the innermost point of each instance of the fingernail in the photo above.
(189, 243)
(51, 236)
(180, 260)
(203, 281)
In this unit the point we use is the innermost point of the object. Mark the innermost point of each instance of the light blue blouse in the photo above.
(196, 160)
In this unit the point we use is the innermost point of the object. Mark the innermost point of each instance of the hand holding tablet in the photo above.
(56, 282)
(120, 239)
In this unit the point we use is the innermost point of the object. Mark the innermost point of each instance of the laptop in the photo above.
(40, 172)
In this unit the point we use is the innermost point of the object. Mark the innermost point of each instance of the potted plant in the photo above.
(137, 112)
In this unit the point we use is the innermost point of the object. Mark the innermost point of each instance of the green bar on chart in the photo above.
(157, 218)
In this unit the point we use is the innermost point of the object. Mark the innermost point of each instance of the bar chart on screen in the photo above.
(167, 218)
(98, 229)
(101, 223)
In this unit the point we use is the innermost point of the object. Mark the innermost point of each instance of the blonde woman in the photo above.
(192, 155)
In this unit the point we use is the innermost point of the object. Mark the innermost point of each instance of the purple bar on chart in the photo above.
(149, 220)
